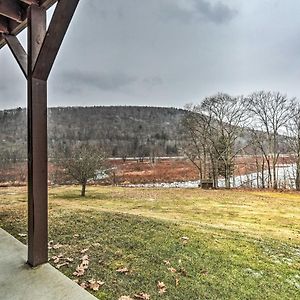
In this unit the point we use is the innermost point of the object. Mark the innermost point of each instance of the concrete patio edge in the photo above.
(20, 282)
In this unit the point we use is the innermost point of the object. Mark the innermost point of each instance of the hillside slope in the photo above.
(121, 130)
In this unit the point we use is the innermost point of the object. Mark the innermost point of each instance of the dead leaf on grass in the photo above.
(176, 281)
(166, 262)
(95, 284)
(84, 250)
(85, 257)
(56, 259)
(50, 243)
(184, 239)
(85, 264)
(122, 270)
(142, 296)
(84, 285)
(79, 271)
(61, 265)
(125, 298)
(69, 259)
(161, 287)
(172, 270)
(57, 246)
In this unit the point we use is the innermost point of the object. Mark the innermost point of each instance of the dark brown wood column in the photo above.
(37, 144)
(43, 46)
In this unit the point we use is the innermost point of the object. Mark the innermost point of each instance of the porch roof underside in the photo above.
(13, 16)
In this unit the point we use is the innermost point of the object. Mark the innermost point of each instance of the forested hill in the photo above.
(122, 130)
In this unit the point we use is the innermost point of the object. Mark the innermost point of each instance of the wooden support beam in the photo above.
(11, 9)
(59, 24)
(29, 2)
(16, 28)
(37, 144)
(36, 65)
(3, 25)
(18, 52)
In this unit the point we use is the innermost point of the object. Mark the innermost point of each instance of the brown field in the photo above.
(135, 171)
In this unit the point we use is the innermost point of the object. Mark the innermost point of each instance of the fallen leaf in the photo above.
(79, 271)
(85, 257)
(95, 285)
(85, 262)
(61, 265)
(125, 298)
(84, 250)
(84, 285)
(56, 260)
(176, 281)
(161, 287)
(76, 235)
(142, 296)
(184, 240)
(173, 270)
(69, 259)
(50, 245)
(57, 246)
(123, 270)
(166, 262)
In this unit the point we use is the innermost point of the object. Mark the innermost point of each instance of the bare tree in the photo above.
(214, 128)
(270, 112)
(82, 163)
(227, 118)
(198, 148)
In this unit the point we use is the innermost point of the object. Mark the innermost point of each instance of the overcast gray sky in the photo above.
(168, 53)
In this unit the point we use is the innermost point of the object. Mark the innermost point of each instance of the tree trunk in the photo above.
(298, 176)
(227, 175)
(275, 185)
(263, 173)
(200, 178)
(270, 174)
(83, 189)
(257, 172)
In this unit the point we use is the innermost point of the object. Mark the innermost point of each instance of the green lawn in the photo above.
(200, 244)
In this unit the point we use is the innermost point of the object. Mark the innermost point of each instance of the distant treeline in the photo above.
(121, 130)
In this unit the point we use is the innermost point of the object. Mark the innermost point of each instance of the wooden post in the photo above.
(37, 144)
(43, 46)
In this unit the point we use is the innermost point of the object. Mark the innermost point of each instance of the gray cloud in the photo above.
(203, 10)
(217, 13)
(168, 53)
(76, 81)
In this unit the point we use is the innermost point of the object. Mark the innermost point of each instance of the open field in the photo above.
(135, 172)
(237, 244)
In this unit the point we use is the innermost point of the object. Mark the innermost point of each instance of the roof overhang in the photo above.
(13, 15)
